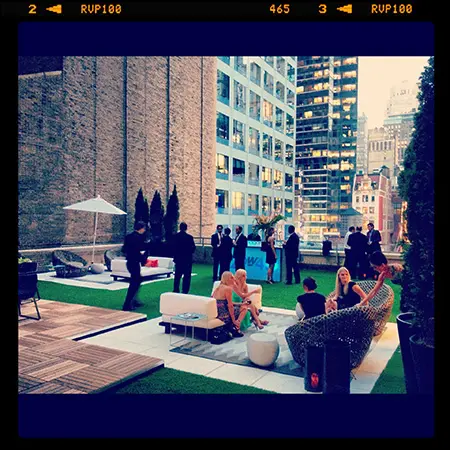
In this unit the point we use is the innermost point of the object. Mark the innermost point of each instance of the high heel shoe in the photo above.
(256, 326)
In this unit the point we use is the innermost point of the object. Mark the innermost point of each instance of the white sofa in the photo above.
(171, 304)
(255, 298)
(119, 268)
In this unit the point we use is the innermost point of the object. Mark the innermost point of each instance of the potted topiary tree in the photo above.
(171, 220)
(156, 224)
(416, 185)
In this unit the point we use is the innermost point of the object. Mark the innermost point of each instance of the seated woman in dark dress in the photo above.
(348, 293)
(311, 303)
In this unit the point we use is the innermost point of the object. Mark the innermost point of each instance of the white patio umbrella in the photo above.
(97, 205)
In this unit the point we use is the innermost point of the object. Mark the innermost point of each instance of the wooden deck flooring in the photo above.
(53, 359)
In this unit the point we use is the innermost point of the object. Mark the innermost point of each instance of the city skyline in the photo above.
(377, 75)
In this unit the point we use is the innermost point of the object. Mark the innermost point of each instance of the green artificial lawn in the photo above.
(276, 295)
(167, 380)
(171, 381)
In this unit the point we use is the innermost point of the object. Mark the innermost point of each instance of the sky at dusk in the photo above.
(377, 75)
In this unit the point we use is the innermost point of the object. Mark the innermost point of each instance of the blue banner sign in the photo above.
(255, 263)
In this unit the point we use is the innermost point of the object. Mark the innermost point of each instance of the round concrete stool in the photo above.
(262, 349)
(97, 268)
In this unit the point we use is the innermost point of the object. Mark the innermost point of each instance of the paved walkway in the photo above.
(54, 360)
(149, 339)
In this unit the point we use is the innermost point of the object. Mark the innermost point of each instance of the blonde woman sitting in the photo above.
(241, 289)
(227, 311)
(348, 293)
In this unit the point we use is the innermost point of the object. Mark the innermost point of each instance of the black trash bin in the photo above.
(314, 369)
(337, 368)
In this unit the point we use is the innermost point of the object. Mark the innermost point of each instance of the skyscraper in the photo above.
(255, 138)
(326, 136)
(362, 150)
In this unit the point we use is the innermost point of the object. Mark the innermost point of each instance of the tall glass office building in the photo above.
(255, 139)
(326, 134)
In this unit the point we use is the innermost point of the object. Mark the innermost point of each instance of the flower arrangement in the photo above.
(264, 223)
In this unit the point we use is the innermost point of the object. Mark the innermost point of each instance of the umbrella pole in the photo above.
(95, 235)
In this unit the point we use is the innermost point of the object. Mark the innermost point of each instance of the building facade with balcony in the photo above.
(372, 197)
(326, 139)
(255, 139)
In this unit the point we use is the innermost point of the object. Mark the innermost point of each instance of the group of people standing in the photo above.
(358, 248)
(225, 248)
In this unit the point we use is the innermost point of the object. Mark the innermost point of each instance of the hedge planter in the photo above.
(423, 357)
(405, 331)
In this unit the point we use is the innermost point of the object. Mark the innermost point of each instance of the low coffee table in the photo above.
(189, 320)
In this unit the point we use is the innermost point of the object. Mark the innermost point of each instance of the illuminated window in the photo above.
(307, 114)
(318, 99)
(371, 210)
(349, 87)
(318, 87)
(349, 61)
(351, 74)
(237, 203)
(267, 113)
(300, 89)
(277, 179)
(222, 166)
(346, 107)
(266, 177)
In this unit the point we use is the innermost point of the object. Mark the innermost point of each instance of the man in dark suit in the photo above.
(216, 240)
(254, 236)
(226, 254)
(240, 246)
(291, 247)
(132, 247)
(374, 239)
(184, 248)
(358, 247)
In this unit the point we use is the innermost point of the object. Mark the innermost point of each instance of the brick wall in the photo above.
(100, 127)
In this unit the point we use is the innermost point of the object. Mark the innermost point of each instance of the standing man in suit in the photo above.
(349, 262)
(291, 247)
(184, 248)
(240, 246)
(216, 240)
(358, 247)
(374, 239)
(226, 254)
(132, 247)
